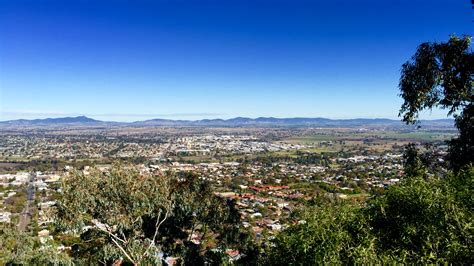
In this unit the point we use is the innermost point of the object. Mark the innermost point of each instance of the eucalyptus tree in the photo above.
(107, 210)
(441, 75)
(138, 217)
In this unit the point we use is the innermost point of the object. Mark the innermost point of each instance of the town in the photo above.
(236, 132)
(268, 172)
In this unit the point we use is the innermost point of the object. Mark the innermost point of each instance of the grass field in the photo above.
(368, 136)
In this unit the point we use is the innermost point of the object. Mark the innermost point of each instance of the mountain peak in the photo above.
(51, 121)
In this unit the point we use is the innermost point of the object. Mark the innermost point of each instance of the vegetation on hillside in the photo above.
(144, 218)
(416, 221)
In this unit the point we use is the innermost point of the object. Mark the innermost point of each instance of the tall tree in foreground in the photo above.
(106, 212)
(422, 219)
(441, 75)
(140, 218)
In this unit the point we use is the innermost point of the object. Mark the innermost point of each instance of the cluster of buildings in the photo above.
(91, 146)
(36, 189)
(228, 144)
(266, 179)
(265, 191)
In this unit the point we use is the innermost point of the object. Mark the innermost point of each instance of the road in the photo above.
(25, 215)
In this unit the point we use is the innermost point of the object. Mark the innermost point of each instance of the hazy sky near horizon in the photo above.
(134, 60)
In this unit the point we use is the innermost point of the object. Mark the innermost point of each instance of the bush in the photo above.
(416, 221)
(329, 234)
(426, 221)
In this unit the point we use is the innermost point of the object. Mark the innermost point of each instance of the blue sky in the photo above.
(134, 60)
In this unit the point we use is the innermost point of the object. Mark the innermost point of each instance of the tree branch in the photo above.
(164, 218)
(157, 227)
(105, 228)
(123, 251)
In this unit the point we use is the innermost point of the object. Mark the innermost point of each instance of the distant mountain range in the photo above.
(233, 122)
(53, 121)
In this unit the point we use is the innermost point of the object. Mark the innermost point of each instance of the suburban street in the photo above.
(26, 214)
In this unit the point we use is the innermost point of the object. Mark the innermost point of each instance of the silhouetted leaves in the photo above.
(441, 75)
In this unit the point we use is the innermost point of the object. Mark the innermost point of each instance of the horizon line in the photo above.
(214, 118)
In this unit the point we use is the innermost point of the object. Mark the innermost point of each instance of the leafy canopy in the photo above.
(441, 75)
(140, 217)
(438, 75)
(417, 221)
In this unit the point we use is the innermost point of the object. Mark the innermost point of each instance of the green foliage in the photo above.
(440, 75)
(113, 205)
(413, 164)
(417, 221)
(325, 234)
(421, 162)
(22, 249)
(424, 221)
(461, 149)
(135, 216)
